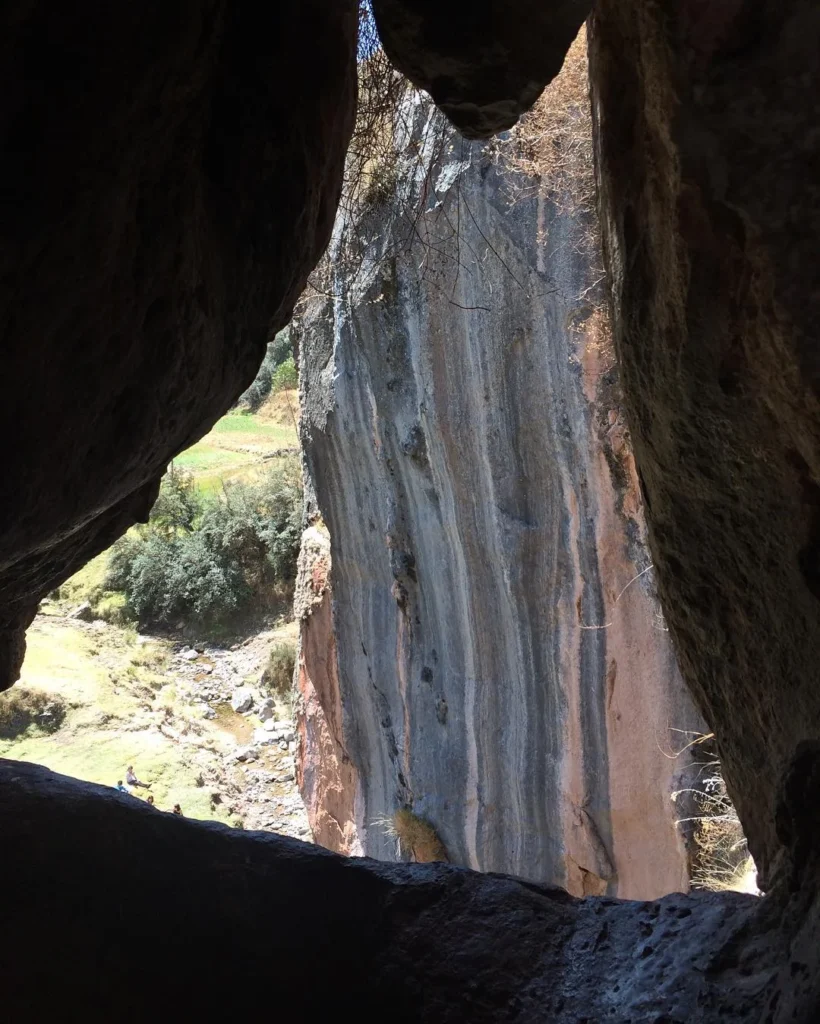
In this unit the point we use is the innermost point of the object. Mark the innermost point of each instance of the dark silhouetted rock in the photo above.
(485, 63)
(170, 175)
(708, 149)
(98, 874)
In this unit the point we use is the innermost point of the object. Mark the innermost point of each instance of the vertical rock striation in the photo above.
(500, 662)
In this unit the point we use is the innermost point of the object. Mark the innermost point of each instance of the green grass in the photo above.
(109, 684)
(157, 760)
(87, 584)
(204, 458)
(211, 463)
(244, 423)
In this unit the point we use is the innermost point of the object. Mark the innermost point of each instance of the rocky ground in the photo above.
(198, 724)
(258, 772)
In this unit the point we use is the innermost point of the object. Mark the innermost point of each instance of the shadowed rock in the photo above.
(711, 221)
(483, 63)
(169, 178)
(122, 913)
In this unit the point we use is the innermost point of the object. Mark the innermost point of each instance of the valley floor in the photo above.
(166, 709)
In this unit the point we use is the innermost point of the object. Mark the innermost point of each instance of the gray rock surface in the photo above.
(83, 612)
(242, 700)
(502, 664)
(431, 943)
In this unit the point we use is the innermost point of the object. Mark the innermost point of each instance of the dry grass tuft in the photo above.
(417, 837)
(278, 674)
(21, 708)
(552, 143)
(721, 861)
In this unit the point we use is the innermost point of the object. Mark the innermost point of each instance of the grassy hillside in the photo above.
(239, 443)
(116, 694)
(131, 701)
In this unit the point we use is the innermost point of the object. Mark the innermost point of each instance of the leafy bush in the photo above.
(113, 608)
(21, 708)
(178, 503)
(281, 347)
(285, 377)
(278, 674)
(202, 559)
(279, 351)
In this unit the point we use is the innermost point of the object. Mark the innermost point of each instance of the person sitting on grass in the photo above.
(121, 788)
(150, 800)
(132, 779)
(177, 809)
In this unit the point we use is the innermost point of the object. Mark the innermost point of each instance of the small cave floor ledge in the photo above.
(115, 911)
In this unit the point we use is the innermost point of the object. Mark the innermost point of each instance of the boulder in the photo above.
(242, 700)
(165, 207)
(83, 612)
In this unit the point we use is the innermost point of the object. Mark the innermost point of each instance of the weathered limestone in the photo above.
(501, 665)
(328, 780)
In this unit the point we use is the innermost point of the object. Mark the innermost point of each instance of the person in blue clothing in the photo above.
(121, 788)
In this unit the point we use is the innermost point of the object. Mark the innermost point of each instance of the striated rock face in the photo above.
(501, 665)
(327, 778)
(170, 177)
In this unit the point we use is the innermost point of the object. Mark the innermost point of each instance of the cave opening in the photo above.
(171, 182)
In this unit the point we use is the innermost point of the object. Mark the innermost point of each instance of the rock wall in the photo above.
(171, 176)
(327, 778)
(501, 664)
(431, 943)
(711, 217)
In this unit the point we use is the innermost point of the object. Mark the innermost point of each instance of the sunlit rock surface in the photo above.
(501, 664)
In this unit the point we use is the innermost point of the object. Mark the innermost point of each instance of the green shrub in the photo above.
(21, 708)
(285, 377)
(178, 503)
(278, 674)
(200, 567)
(281, 347)
(278, 351)
(114, 609)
